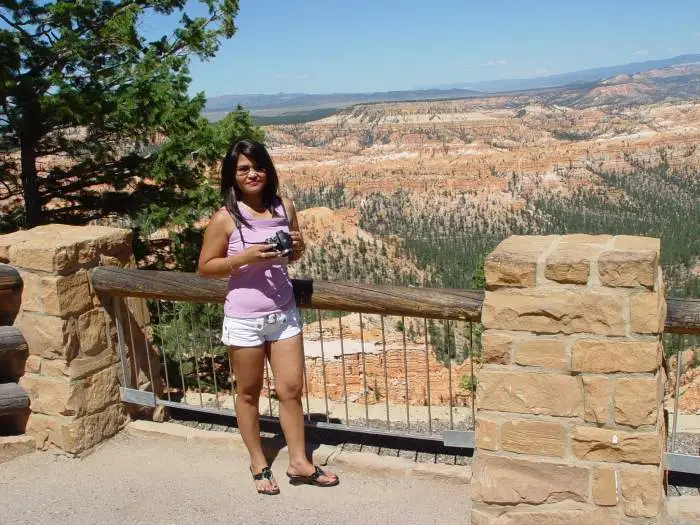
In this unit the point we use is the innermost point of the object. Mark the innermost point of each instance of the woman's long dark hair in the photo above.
(230, 191)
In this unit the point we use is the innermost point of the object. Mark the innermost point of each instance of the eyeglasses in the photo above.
(246, 170)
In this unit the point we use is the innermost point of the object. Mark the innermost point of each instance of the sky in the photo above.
(341, 46)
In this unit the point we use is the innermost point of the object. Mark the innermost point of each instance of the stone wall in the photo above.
(570, 426)
(73, 372)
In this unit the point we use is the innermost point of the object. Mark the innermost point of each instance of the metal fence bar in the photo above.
(179, 356)
(163, 351)
(323, 364)
(193, 342)
(120, 339)
(472, 385)
(364, 371)
(405, 374)
(449, 373)
(211, 355)
(427, 373)
(306, 381)
(386, 374)
(133, 346)
(679, 364)
(342, 362)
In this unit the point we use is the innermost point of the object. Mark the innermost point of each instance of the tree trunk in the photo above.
(30, 188)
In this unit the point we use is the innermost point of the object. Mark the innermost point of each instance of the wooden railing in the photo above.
(683, 315)
(10, 293)
(322, 295)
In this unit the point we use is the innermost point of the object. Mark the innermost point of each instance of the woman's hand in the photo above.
(253, 254)
(298, 245)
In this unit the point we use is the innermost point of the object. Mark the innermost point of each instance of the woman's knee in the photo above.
(249, 393)
(288, 390)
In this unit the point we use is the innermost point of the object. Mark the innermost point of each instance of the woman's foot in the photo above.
(308, 474)
(265, 481)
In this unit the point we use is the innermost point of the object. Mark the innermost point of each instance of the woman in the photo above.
(261, 318)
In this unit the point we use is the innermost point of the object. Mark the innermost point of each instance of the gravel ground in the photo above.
(132, 480)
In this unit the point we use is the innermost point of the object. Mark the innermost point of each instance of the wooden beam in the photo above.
(13, 354)
(9, 278)
(12, 399)
(324, 295)
(683, 314)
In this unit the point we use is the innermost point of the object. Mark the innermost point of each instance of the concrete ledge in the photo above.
(15, 446)
(197, 436)
(324, 455)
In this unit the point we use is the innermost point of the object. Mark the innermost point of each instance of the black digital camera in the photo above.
(282, 242)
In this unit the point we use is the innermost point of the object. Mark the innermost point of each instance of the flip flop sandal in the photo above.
(266, 474)
(296, 479)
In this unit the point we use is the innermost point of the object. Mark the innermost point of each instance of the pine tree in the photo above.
(78, 81)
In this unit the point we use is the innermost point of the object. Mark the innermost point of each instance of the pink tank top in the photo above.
(262, 288)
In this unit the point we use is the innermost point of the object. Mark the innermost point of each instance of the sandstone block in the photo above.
(66, 295)
(563, 513)
(61, 249)
(86, 432)
(636, 401)
(496, 347)
(48, 395)
(628, 269)
(486, 432)
(48, 336)
(81, 367)
(92, 334)
(529, 393)
(607, 356)
(596, 398)
(648, 312)
(514, 261)
(55, 368)
(564, 311)
(599, 444)
(570, 263)
(641, 492)
(637, 243)
(512, 481)
(604, 487)
(94, 392)
(547, 353)
(31, 292)
(33, 364)
(15, 446)
(43, 428)
(534, 437)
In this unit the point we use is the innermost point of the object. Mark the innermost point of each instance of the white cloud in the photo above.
(641, 52)
(281, 75)
(496, 62)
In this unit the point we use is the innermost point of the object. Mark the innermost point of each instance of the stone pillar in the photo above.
(72, 374)
(569, 424)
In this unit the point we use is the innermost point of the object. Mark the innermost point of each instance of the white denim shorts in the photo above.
(254, 331)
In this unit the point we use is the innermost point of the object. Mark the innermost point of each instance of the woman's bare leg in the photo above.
(287, 361)
(248, 364)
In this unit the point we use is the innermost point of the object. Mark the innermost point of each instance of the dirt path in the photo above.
(153, 480)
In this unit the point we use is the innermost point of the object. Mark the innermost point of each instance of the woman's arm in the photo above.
(213, 261)
(298, 245)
